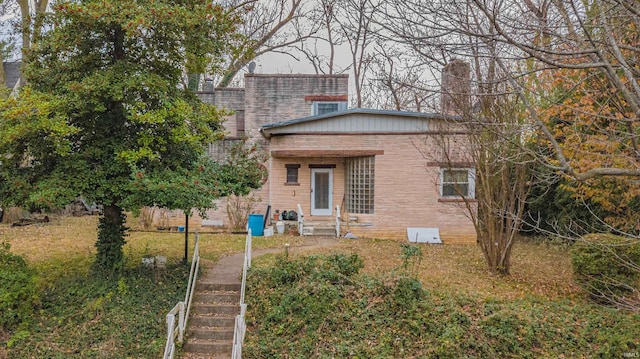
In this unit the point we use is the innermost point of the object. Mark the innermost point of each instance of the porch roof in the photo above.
(325, 153)
(355, 120)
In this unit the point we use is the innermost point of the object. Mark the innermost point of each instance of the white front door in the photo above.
(321, 191)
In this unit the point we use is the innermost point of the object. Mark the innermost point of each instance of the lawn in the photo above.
(84, 316)
(538, 270)
(447, 306)
(73, 239)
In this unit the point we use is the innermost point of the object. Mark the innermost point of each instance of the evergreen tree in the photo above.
(108, 117)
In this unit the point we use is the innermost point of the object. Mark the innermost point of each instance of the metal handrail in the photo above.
(172, 331)
(191, 286)
(182, 309)
(300, 220)
(338, 221)
(240, 327)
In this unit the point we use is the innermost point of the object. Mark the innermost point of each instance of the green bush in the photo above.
(606, 266)
(85, 314)
(407, 293)
(331, 311)
(18, 289)
(339, 268)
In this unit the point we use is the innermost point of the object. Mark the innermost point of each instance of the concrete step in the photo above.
(209, 347)
(215, 309)
(324, 231)
(204, 286)
(204, 356)
(205, 333)
(216, 297)
(212, 321)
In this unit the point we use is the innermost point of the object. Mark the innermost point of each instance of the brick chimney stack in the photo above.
(455, 96)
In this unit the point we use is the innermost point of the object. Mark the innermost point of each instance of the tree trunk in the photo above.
(231, 72)
(3, 79)
(111, 233)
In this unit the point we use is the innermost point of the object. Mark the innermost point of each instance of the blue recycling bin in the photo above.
(256, 224)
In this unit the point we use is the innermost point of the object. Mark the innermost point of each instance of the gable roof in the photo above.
(356, 120)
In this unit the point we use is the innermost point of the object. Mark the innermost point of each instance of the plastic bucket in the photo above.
(280, 227)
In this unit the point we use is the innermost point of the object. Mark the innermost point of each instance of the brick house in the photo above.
(384, 169)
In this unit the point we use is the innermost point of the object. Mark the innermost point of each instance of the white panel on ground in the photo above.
(423, 235)
(212, 222)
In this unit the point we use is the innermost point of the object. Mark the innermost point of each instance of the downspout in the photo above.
(269, 168)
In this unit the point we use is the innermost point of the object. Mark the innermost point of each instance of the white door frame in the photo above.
(321, 211)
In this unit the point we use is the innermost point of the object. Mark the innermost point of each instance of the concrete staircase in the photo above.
(217, 302)
(212, 320)
(320, 228)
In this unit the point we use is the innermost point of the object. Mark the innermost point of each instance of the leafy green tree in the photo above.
(108, 118)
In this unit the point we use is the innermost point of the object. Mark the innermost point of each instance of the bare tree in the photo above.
(328, 39)
(574, 68)
(592, 39)
(30, 15)
(580, 87)
(485, 109)
(268, 26)
(398, 83)
(503, 176)
(354, 21)
(488, 140)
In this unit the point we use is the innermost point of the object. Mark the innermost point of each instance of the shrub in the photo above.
(13, 214)
(148, 216)
(606, 266)
(411, 258)
(85, 314)
(18, 289)
(407, 293)
(311, 315)
(238, 210)
(338, 268)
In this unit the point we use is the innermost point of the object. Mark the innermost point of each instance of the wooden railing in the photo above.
(240, 325)
(176, 328)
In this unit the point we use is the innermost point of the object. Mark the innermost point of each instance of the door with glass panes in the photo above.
(321, 191)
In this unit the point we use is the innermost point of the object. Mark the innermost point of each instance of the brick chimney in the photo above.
(455, 96)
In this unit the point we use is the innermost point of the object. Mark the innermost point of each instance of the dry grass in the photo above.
(537, 270)
(62, 238)
(67, 240)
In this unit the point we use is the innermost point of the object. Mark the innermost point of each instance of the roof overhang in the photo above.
(325, 153)
(416, 122)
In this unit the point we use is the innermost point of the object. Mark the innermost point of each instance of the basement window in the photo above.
(359, 184)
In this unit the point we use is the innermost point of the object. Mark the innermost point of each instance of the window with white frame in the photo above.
(457, 182)
(322, 107)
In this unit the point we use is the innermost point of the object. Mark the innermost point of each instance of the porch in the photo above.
(336, 225)
(320, 181)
